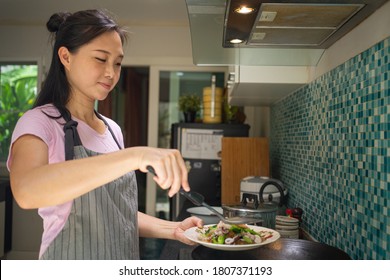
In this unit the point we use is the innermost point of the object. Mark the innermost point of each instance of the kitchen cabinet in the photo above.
(265, 85)
(242, 157)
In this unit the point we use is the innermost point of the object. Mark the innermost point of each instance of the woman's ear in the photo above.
(64, 55)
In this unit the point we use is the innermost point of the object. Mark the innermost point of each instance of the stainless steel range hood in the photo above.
(279, 33)
(283, 41)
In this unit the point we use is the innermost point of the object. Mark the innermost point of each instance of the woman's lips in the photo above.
(106, 86)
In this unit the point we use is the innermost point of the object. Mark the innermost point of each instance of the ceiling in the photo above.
(127, 12)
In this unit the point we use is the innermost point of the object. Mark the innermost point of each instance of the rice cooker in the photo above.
(251, 186)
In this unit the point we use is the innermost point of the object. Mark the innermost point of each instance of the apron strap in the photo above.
(109, 128)
(72, 137)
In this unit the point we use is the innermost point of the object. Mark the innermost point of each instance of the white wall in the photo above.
(146, 46)
(159, 46)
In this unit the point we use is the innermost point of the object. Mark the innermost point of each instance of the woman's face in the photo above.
(94, 69)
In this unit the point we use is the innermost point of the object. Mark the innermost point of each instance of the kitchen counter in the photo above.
(282, 249)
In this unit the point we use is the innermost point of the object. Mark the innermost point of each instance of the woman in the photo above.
(68, 160)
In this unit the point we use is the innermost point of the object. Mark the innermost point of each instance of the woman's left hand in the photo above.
(184, 225)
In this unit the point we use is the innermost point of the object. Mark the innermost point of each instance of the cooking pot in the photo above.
(251, 206)
(266, 212)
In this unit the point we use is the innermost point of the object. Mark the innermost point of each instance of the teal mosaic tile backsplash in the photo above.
(330, 145)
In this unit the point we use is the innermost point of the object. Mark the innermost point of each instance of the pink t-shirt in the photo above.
(51, 132)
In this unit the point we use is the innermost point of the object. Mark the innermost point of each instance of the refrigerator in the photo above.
(201, 147)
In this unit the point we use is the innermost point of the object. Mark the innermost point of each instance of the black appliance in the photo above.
(200, 145)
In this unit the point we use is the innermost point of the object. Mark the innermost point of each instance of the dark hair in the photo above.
(71, 31)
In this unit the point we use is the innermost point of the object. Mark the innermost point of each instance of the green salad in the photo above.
(232, 234)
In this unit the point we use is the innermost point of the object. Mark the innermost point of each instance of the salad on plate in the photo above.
(230, 234)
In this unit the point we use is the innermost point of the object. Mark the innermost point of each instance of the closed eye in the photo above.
(100, 59)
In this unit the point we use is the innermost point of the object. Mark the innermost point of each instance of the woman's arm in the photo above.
(153, 227)
(35, 183)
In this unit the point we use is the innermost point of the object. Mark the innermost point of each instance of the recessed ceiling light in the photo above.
(244, 10)
(236, 41)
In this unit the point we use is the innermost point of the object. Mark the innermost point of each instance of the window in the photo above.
(18, 91)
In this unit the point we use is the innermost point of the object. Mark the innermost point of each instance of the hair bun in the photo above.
(55, 21)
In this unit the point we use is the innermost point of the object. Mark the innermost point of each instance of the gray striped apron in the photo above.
(102, 223)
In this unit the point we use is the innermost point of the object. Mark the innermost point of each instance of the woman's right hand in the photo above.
(169, 167)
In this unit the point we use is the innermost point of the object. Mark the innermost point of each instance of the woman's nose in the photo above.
(110, 72)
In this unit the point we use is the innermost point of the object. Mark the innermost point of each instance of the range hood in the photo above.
(293, 24)
(278, 33)
(282, 42)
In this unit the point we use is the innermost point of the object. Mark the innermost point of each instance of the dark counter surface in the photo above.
(175, 250)
(282, 249)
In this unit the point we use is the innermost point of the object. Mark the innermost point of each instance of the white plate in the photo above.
(286, 220)
(193, 235)
(287, 232)
(288, 226)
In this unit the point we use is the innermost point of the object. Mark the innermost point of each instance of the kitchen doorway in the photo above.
(166, 85)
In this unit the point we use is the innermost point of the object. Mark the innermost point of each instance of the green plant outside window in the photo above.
(17, 95)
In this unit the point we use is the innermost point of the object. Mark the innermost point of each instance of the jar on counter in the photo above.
(212, 103)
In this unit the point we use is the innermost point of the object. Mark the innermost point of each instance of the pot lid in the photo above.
(201, 210)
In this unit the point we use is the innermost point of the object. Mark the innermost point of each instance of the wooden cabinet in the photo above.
(241, 157)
